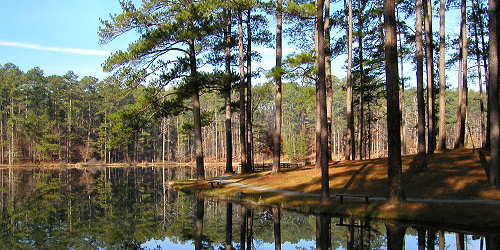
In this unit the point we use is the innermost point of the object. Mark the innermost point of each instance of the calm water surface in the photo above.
(130, 208)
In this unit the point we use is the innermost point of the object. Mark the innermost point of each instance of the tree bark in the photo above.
(393, 115)
(429, 59)
(249, 113)
(493, 97)
(486, 76)
(361, 77)
(402, 93)
(163, 140)
(328, 78)
(321, 103)
(1, 136)
(317, 124)
(227, 94)
(11, 144)
(278, 99)
(198, 141)
(350, 145)
(462, 109)
(243, 129)
(421, 154)
(442, 78)
(475, 17)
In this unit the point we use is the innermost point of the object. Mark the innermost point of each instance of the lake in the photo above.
(131, 208)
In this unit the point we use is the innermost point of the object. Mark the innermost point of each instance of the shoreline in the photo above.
(458, 192)
(127, 164)
(465, 227)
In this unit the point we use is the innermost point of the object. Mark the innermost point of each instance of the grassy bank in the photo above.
(456, 175)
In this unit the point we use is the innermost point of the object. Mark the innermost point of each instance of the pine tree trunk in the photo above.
(393, 116)
(350, 145)
(479, 73)
(442, 78)
(278, 98)
(216, 137)
(402, 93)
(465, 93)
(169, 147)
(11, 146)
(317, 124)
(163, 140)
(493, 97)
(1, 137)
(458, 124)
(328, 77)
(227, 95)
(106, 139)
(361, 79)
(198, 140)
(421, 154)
(369, 141)
(243, 130)
(461, 114)
(429, 59)
(321, 103)
(486, 75)
(249, 112)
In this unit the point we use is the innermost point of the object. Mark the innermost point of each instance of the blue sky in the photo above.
(58, 36)
(46, 34)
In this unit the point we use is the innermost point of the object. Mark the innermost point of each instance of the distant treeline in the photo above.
(71, 119)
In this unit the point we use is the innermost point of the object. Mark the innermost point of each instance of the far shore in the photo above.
(125, 164)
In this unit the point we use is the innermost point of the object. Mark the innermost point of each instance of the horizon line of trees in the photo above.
(97, 112)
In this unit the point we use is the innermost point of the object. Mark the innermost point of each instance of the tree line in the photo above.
(98, 112)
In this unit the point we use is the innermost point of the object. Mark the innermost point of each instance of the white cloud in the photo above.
(54, 49)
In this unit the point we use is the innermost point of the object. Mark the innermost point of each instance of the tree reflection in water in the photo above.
(277, 227)
(229, 226)
(131, 208)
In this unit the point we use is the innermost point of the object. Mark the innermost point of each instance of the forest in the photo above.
(190, 88)
(82, 119)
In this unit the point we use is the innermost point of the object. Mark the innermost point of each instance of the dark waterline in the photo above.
(130, 208)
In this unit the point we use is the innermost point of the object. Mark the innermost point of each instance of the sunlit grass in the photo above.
(450, 175)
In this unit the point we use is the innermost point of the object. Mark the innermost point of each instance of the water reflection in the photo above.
(130, 208)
